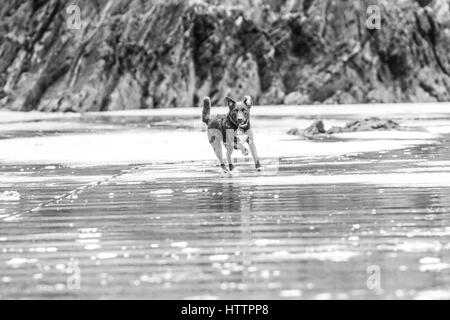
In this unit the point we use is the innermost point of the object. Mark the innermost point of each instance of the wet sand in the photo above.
(143, 225)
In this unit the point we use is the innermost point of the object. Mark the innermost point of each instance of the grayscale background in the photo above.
(110, 189)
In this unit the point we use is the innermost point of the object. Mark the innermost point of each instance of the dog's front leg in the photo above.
(229, 153)
(251, 144)
(230, 147)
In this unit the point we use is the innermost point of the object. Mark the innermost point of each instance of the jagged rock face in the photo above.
(131, 54)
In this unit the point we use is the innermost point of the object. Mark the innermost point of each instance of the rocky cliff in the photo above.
(131, 54)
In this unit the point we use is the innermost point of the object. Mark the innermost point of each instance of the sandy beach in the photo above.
(137, 208)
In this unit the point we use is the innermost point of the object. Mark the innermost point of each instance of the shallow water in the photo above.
(309, 227)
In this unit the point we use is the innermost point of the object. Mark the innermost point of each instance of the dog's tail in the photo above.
(206, 110)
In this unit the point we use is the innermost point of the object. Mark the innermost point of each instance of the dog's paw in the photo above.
(223, 169)
(258, 167)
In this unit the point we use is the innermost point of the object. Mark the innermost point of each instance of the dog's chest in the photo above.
(240, 136)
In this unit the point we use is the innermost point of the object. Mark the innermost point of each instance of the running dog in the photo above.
(232, 129)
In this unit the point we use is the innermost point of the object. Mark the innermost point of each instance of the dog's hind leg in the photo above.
(215, 139)
(251, 144)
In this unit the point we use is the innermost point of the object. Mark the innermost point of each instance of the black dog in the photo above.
(232, 130)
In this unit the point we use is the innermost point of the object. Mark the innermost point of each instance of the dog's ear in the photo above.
(230, 102)
(248, 101)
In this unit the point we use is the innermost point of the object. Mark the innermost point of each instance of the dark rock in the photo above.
(294, 132)
(133, 54)
(317, 128)
(371, 124)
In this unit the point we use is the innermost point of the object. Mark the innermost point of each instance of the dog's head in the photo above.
(239, 110)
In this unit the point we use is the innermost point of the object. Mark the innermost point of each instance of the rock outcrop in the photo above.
(370, 124)
(317, 128)
(131, 54)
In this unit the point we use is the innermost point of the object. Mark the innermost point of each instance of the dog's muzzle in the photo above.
(242, 123)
